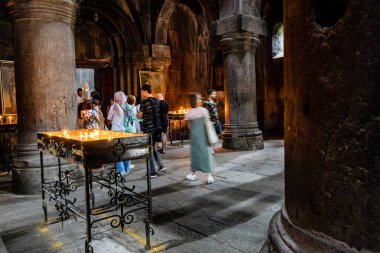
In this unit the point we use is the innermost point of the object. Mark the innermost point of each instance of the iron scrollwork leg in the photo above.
(42, 185)
(60, 207)
(88, 247)
(148, 220)
(92, 195)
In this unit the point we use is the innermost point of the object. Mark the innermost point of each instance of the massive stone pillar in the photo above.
(43, 37)
(239, 27)
(332, 129)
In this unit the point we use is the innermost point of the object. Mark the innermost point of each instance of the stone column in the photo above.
(240, 27)
(128, 81)
(332, 129)
(122, 75)
(43, 37)
(241, 129)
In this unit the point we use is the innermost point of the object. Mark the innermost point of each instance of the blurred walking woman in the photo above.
(201, 152)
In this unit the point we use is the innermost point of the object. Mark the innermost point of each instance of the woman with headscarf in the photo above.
(115, 121)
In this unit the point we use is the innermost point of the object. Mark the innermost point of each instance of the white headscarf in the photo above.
(119, 97)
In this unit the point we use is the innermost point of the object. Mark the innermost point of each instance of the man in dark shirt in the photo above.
(151, 124)
(164, 109)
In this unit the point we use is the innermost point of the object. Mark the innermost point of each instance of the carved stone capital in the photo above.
(137, 61)
(236, 23)
(157, 64)
(235, 42)
(160, 51)
(52, 10)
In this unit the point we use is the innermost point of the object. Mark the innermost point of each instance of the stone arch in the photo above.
(190, 48)
(161, 30)
(115, 57)
(117, 23)
(166, 12)
(328, 13)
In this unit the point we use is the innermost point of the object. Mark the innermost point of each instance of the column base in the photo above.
(26, 173)
(286, 237)
(27, 181)
(243, 142)
(243, 137)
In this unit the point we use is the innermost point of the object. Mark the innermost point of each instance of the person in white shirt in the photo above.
(115, 122)
(79, 96)
(115, 117)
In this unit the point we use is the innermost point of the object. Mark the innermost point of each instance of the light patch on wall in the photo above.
(85, 75)
(278, 41)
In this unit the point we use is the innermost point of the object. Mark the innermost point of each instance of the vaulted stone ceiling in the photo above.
(6, 48)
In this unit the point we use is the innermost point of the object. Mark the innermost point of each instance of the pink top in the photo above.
(198, 112)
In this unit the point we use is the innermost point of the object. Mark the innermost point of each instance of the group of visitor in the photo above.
(151, 117)
(123, 115)
(89, 114)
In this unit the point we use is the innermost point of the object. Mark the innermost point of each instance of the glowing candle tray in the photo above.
(92, 149)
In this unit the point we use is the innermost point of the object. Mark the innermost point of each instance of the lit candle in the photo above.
(10, 119)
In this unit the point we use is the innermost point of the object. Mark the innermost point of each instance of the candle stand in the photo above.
(8, 135)
(177, 127)
(92, 149)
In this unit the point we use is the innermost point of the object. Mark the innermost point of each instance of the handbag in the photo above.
(212, 137)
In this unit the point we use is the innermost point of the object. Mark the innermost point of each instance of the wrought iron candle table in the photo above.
(8, 135)
(92, 149)
(174, 131)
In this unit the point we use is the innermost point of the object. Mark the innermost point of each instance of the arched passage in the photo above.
(108, 40)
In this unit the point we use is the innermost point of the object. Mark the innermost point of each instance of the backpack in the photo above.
(156, 135)
(128, 120)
